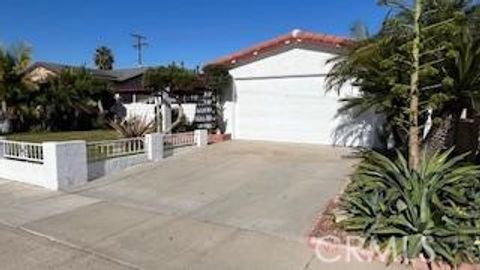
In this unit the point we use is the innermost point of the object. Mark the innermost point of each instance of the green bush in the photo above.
(434, 211)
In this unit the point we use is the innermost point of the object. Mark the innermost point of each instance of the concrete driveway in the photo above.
(236, 205)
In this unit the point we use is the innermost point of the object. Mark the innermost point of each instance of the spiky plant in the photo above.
(432, 212)
(133, 127)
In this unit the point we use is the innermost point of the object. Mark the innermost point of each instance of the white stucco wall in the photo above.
(297, 61)
(141, 110)
(283, 98)
(189, 109)
(147, 111)
(63, 166)
(26, 172)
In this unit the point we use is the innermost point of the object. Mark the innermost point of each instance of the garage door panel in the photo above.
(285, 110)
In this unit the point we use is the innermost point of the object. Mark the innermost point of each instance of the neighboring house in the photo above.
(128, 88)
(279, 93)
(126, 83)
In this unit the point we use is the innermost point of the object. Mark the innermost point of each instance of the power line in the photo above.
(140, 43)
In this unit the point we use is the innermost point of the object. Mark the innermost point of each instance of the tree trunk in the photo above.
(414, 129)
(5, 121)
(4, 107)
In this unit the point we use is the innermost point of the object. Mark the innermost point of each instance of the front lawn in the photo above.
(92, 135)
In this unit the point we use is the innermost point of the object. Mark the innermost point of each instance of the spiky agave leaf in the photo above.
(133, 127)
(386, 200)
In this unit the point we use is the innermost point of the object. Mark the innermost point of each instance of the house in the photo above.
(279, 93)
(127, 86)
(125, 82)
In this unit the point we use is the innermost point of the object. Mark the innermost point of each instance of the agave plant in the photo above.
(133, 127)
(432, 212)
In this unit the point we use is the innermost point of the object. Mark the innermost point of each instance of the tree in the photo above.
(14, 85)
(70, 100)
(394, 78)
(103, 58)
(164, 81)
(425, 57)
(216, 77)
(167, 80)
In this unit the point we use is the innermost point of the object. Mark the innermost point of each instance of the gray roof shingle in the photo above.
(117, 75)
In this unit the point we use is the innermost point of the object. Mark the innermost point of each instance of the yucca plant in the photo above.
(432, 212)
(133, 127)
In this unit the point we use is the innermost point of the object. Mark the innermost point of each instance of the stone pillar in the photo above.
(154, 146)
(201, 137)
(65, 164)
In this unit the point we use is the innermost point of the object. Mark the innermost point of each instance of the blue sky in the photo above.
(193, 31)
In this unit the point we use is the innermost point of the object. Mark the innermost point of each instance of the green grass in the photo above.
(92, 135)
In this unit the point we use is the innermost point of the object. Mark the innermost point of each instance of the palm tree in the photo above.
(367, 64)
(71, 94)
(103, 58)
(13, 82)
(461, 91)
(379, 66)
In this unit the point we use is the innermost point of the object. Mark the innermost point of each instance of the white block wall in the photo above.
(65, 164)
(63, 167)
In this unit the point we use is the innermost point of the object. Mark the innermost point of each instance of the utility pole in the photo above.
(140, 43)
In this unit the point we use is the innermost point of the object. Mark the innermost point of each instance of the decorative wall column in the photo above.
(154, 146)
(65, 164)
(201, 137)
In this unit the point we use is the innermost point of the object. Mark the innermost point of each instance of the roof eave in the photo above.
(294, 38)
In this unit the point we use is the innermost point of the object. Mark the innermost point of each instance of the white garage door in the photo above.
(286, 109)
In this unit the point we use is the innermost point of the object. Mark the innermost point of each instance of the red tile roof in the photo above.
(294, 37)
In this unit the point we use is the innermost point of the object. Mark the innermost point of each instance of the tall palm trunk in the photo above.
(4, 107)
(414, 129)
(5, 123)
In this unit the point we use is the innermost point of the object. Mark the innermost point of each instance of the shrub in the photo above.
(435, 210)
(133, 127)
